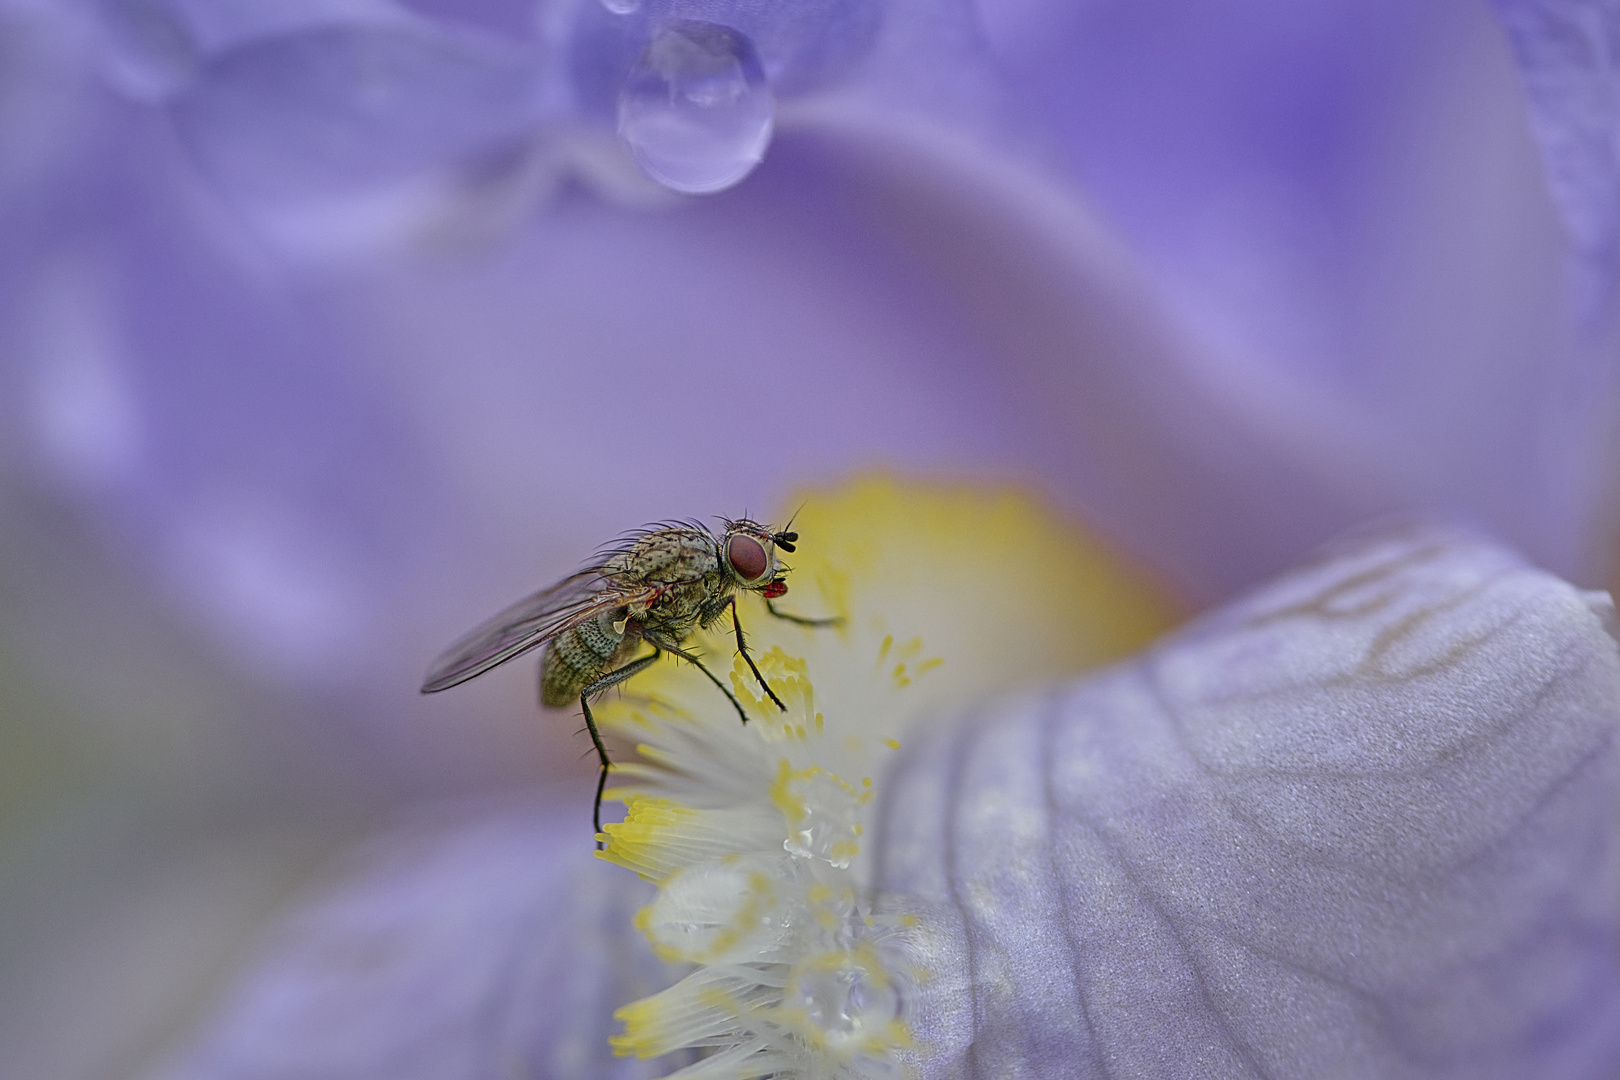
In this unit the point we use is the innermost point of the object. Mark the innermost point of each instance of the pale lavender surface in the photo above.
(482, 943)
(1361, 823)
(1570, 53)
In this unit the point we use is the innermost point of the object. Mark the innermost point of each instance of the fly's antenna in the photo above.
(786, 539)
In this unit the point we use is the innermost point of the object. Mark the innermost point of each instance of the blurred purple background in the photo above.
(326, 329)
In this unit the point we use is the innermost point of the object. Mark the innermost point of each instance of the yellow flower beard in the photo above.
(947, 593)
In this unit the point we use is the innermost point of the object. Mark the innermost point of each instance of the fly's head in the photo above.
(748, 550)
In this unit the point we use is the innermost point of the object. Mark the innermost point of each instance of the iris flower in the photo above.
(1359, 822)
(326, 324)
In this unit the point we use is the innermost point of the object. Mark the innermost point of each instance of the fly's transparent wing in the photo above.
(527, 624)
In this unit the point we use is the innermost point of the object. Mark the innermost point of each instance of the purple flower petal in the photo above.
(340, 109)
(151, 48)
(1361, 823)
(1344, 203)
(1570, 53)
(485, 949)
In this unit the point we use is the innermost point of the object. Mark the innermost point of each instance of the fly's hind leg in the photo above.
(606, 682)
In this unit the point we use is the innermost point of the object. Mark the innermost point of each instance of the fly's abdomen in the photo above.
(578, 657)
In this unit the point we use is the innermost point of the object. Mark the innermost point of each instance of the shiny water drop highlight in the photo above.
(842, 1000)
(622, 7)
(696, 109)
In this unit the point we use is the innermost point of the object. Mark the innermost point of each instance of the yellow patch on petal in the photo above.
(1001, 586)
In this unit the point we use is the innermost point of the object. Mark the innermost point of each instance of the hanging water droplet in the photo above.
(696, 109)
(622, 7)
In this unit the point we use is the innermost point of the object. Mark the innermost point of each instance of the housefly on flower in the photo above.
(656, 586)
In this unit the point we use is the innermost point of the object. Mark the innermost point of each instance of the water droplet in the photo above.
(696, 109)
(825, 827)
(622, 7)
(714, 912)
(842, 997)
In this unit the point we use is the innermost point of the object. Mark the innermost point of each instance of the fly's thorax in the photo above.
(578, 657)
(665, 555)
(680, 608)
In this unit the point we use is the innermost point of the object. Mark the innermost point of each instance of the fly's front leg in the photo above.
(770, 606)
(606, 682)
(742, 647)
(691, 658)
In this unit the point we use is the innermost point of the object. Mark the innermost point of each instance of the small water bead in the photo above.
(718, 911)
(696, 109)
(844, 999)
(622, 7)
(826, 827)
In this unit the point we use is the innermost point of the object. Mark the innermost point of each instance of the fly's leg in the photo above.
(606, 682)
(601, 779)
(770, 606)
(742, 647)
(691, 658)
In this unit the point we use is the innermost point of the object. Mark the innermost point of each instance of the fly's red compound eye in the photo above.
(747, 557)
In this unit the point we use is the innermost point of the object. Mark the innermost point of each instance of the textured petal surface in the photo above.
(489, 948)
(1362, 823)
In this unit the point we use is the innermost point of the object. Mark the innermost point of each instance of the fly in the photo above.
(657, 586)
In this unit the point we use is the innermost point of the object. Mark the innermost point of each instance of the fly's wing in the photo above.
(527, 624)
